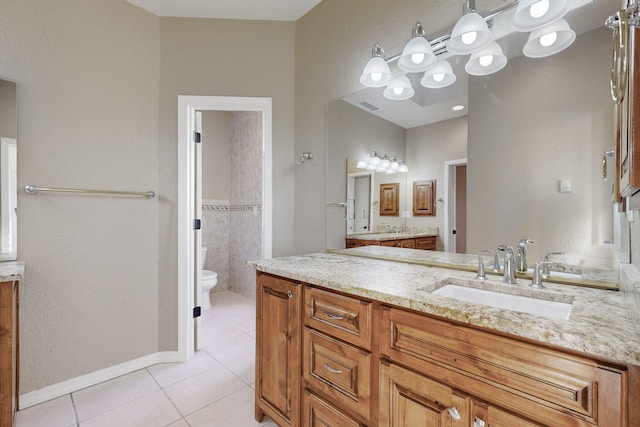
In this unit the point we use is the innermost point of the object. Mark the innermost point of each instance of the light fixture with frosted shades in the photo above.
(399, 89)
(470, 33)
(549, 40)
(534, 14)
(383, 164)
(376, 72)
(417, 55)
(438, 75)
(486, 61)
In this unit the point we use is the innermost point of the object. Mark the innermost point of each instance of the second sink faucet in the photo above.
(521, 257)
(508, 275)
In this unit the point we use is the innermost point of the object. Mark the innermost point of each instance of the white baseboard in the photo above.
(84, 381)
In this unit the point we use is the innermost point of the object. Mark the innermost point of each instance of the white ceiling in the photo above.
(269, 10)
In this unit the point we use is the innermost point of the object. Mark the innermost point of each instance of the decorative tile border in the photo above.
(231, 208)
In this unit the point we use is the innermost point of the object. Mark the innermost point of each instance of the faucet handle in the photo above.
(481, 275)
(496, 259)
(536, 281)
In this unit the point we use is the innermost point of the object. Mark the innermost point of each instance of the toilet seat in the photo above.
(208, 275)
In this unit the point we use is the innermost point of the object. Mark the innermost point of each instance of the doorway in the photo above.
(455, 202)
(189, 194)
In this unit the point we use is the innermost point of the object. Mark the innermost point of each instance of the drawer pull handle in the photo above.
(333, 316)
(478, 423)
(332, 370)
(453, 411)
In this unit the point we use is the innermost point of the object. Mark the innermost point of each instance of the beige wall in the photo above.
(428, 147)
(531, 125)
(8, 118)
(87, 75)
(216, 155)
(222, 58)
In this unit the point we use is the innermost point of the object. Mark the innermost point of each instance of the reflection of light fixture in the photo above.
(470, 33)
(399, 89)
(486, 61)
(438, 75)
(376, 73)
(549, 40)
(417, 54)
(534, 14)
(457, 107)
(382, 164)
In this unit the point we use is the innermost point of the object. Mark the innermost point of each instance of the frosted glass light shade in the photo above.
(486, 61)
(534, 14)
(463, 41)
(438, 75)
(416, 56)
(376, 73)
(399, 89)
(539, 44)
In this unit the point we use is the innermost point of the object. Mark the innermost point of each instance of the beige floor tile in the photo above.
(232, 348)
(54, 413)
(197, 392)
(244, 367)
(171, 373)
(110, 394)
(235, 410)
(153, 410)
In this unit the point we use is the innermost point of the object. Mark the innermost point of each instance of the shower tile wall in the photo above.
(246, 190)
(232, 229)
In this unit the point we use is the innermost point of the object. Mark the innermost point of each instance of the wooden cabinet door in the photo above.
(424, 198)
(408, 399)
(389, 203)
(278, 347)
(483, 414)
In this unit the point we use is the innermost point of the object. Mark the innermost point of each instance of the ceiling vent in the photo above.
(368, 106)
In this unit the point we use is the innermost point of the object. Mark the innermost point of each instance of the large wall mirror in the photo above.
(8, 171)
(531, 136)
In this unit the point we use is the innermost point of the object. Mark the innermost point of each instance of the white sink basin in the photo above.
(539, 307)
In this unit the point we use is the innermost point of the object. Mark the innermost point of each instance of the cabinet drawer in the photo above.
(428, 243)
(316, 412)
(516, 375)
(338, 370)
(343, 317)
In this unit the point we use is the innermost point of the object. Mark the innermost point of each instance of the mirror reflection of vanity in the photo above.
(526, 129)
(8, 171)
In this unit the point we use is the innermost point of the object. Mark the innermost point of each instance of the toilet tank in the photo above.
(203, 257)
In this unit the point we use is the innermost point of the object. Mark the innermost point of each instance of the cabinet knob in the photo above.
(478, 423)
(453, 411)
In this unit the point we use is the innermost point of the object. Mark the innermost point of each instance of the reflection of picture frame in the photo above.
(424, 198)
(389, 204)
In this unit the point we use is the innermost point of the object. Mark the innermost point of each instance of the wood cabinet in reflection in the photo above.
(424, 198)
(389, 204)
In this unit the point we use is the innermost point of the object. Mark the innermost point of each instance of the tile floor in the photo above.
(214, 388)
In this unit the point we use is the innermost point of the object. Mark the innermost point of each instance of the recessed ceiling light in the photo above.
(458, 108)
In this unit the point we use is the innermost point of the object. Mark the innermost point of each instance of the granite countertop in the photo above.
(600, 323)
(11, 271)
(425, 232)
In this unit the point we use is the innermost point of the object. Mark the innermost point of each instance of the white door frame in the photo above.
(187, 106)
(449, 202)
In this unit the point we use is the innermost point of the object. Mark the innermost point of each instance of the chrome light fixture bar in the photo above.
(471, 35)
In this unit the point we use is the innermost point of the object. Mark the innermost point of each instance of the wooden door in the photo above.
(278, 347)
(408, 399)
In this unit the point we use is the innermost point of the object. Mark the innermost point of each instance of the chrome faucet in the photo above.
(496, 260)
(509, 275)
(545, 266)
(481, 275)
(536, 282)
(521, 257)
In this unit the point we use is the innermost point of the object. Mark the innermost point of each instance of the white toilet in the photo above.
(209, 280)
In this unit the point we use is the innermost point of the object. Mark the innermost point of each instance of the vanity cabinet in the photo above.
(368, 363)
(337, 362)
(516, 379)
(278, 339)
(426, 242)
(8, 352)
